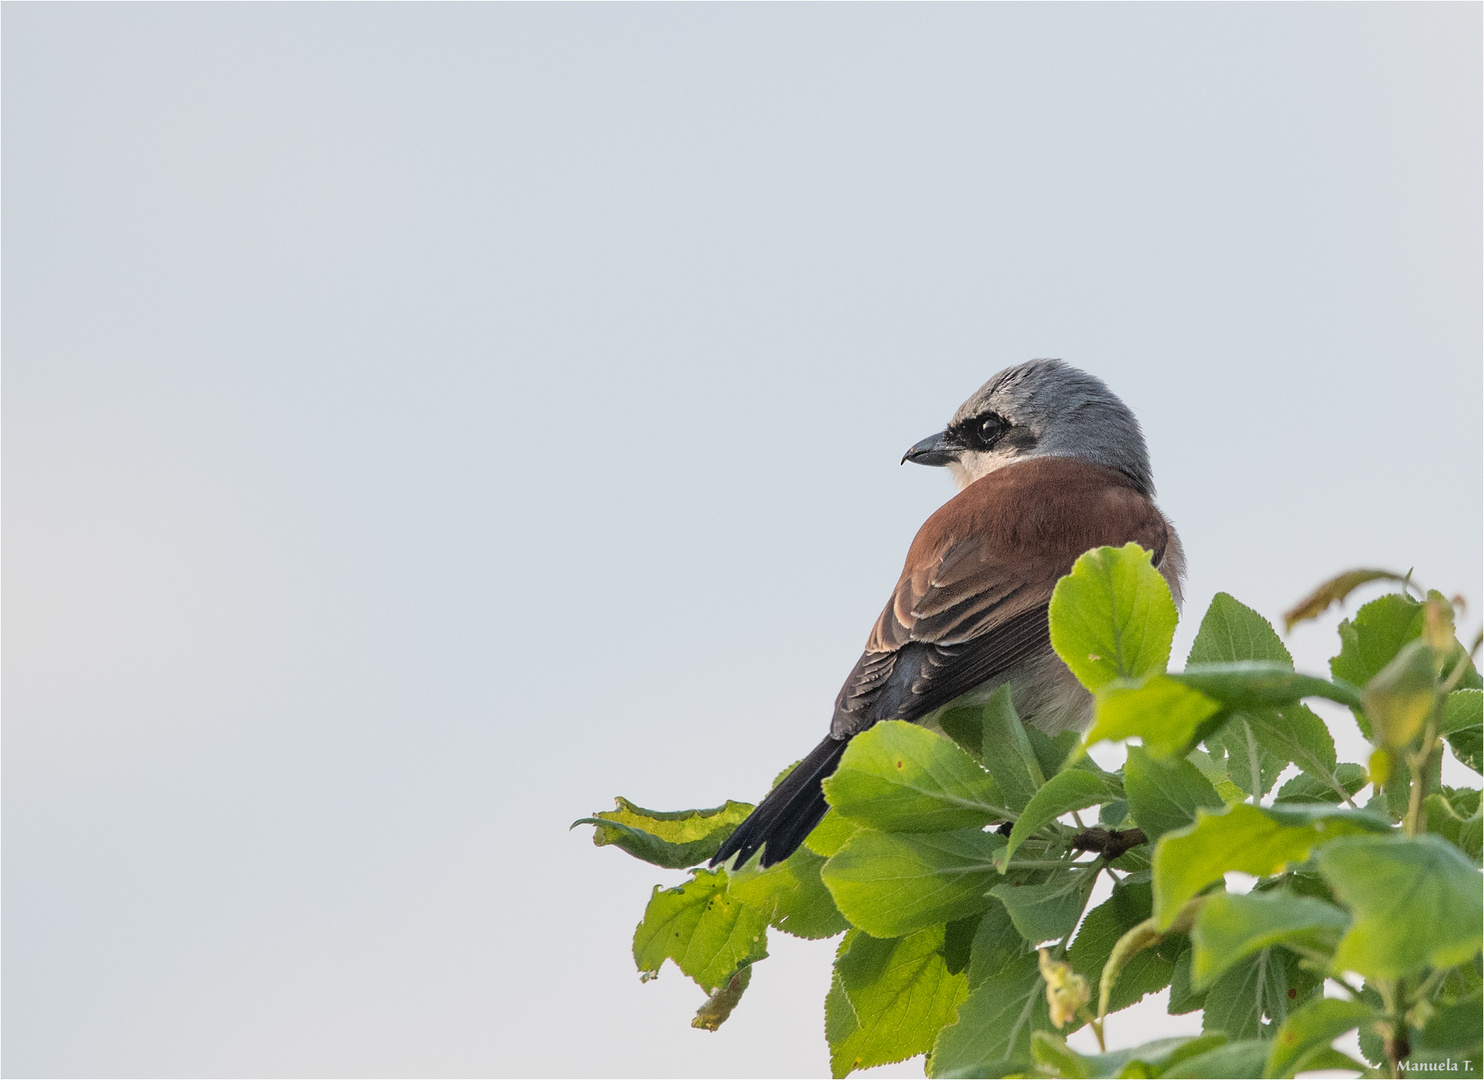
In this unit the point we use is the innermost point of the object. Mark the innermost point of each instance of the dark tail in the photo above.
(790, 811)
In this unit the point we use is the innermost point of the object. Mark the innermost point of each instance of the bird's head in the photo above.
(1043, 408)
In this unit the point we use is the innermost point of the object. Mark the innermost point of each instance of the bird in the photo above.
(1049, 464)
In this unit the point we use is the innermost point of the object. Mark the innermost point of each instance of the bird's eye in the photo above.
(982, 432)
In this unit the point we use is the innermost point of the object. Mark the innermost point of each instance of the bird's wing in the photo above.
(972, 599)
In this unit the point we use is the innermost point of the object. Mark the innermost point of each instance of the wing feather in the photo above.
(972, 599)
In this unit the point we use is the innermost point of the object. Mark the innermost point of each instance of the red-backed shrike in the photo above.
(1049, 464)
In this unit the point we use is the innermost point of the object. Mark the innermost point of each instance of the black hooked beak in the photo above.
(939, 449)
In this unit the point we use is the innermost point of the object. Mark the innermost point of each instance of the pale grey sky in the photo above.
(422, 423)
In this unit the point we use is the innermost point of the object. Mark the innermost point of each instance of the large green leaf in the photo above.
(1059, 751)
(1308, 788)
(1402, 695)
(890, 884)
(1242, 1058)
(1112, 617)
(1370, 641)
(1048, 909)
(793, 895)
(1443, 820)
(674, 839)
(1075, 789)
(1149, 1059)
(958, 941)
(1231, 928)
(1311, 1029)
(830, 834)
(996, 943)
(1251, 765)
(708, 933)
(1164, 795)
(1294, 733)
(1463, 725)
(1009, 756)
(1215, 771)
(1456, 1030)
(1230, 630)
(1261, 684)
(1165, 715)
(992, 1035)
(1148, 972)
(900, 776)
(1247, 839)
(1416, 903)
(1183, 997)
(889, 999)
(1253, 989)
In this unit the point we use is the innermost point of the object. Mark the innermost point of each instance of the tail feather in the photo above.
(789, 812)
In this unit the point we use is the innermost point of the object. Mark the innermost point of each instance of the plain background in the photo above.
(422, 423)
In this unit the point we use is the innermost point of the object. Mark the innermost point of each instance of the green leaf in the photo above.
(992, 1035)
(1306, 788)
(1230, 630)
(830, 834)
(1370, 641)
(958, 942)
(1294, 733)
(1112, 617)
(1164, 714)
(1247, 839)
(1455, 1030)
(890, 884)
(1257, 746)
(1056, 752)
(1416, 903)
(674, 839)
(1075, 789)
(899, 995)
(1183, 998)
(1252, 767)
(1230, 928)
(792, 893)
(1254, 988)
(1148, 972)
(1053, 1057)
(707, 933)
(1261, 684)
(899, 776)
(841, 1025)
(1442, 820)
(1164, 795)
(964, 724)
(1150, 1059)
(1242, 1058)
(1401, 696)
(1463, 726)
(996, 943)
(1012, 762)
(1312, 1028)
(1215, 771)
(1049, 909)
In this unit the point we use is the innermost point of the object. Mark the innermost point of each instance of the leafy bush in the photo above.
(958, 866)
